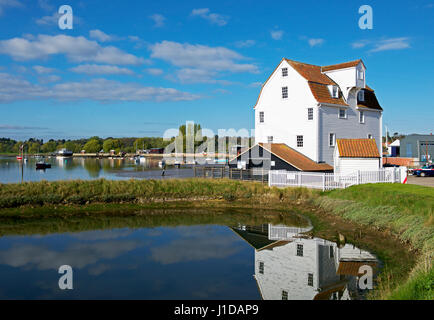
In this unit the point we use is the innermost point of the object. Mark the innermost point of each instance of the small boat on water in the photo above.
(64, 153)
(42, 165)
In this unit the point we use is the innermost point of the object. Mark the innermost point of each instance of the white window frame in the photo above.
(334, 139)
(361, 96)
(310, 114)
(283, 94)
(361, 116)
(284, 72)
(270, 139)
(360, 74)
(339, 113)
(370, 136)
(335, 91)
(261, 117)
(301, 141)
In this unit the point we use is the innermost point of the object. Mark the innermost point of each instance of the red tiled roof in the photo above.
(351, 268)
(342, 65)
(310, 72)
(357, 148)
(407, 162)
(295, 158)
(322, 94)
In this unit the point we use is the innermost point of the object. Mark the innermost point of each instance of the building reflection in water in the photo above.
(291, 266)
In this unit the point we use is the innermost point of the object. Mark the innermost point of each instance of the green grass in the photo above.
(79, 192)
(406, 211)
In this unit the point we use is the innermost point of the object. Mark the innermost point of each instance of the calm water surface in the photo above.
(13, 171)
(206, 261)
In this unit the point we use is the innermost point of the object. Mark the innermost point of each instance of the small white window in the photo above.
(270, 139)
(361, 117)
(284, 92)
(299, 141)
(309, 113)
(342, 113)
(361, 95)
(332, 140)
(360, 74)
(284, 72)
(335, 92)
(369, 136)
(272, 163)
(261, 116)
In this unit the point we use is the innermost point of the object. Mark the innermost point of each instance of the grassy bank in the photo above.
(400, 212)
(404, 210)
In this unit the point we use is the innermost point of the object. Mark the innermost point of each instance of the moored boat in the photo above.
(42, 165)
(64, 153)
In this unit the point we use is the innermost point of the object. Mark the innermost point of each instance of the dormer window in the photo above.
(334, 90)
(284, 72)
(361, 95)
(360, 74)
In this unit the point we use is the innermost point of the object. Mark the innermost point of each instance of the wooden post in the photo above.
(194, 170)
(222, 172)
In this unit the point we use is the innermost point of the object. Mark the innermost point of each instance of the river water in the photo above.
(13, 171)
(199, 256)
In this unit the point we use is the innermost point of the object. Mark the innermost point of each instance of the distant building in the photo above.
(156, 151)
(418, 146)
(393, 149)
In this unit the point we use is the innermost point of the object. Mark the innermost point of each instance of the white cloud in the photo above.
(360, 44)
(213, 18)
(101, 69)
(77, 49)
(255, 84)
(200, 57)
(276, 34)
(383, 44)
(99, 35)
(43, 70)
(158, 20)
(9, 4)
(45, 5)
(245, 43)
(154, 71)
(13, 88)
(49, 20)
(391, 44)
(315, 42)
(49, 79)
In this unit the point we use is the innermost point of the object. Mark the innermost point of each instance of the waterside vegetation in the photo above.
(402, 213)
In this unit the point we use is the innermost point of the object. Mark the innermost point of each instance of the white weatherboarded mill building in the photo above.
(309, 107)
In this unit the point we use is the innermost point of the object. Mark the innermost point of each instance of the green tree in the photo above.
(92, 146)
(49, 146)
(111, 144)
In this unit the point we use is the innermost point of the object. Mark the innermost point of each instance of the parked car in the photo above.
(425, 171)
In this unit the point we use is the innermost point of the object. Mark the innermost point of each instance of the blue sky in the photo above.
(136, 68)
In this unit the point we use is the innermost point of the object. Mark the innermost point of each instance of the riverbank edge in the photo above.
(247, 194)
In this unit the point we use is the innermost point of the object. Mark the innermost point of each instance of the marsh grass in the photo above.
(406, 211)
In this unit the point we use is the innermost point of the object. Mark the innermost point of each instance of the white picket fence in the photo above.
(329, 181)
